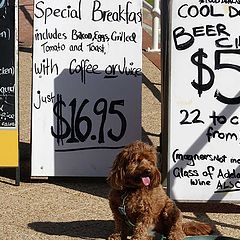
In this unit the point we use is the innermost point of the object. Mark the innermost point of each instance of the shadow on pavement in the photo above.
(27, 14)
(94, 186)
(25, 161)
(81, 229)
(152, 87)
(25, 49)
(213, 207)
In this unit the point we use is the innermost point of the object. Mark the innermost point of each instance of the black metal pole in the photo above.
(165, 85)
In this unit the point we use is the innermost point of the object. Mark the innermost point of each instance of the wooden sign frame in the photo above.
(9, 93)
(200, 49)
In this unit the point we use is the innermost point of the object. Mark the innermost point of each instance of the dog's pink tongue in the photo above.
(146, 181)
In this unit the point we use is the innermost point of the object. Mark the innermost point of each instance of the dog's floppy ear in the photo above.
(116, 178)
(156, 179)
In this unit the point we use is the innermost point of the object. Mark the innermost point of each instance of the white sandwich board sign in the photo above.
(203, 99)
(86, 99)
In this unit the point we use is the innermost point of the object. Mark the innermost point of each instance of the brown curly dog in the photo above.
(138, 201)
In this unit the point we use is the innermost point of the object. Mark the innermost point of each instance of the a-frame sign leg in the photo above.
(17, 180)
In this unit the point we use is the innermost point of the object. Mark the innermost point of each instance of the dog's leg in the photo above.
(176, 232)
(143, 229)
(173, 221)
(118, 228)
(114, 236)
(121, 230)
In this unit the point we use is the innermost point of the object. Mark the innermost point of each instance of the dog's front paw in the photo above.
(142, 238)
(176, 236)
(114, 236)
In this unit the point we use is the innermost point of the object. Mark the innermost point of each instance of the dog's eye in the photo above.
(136, 161)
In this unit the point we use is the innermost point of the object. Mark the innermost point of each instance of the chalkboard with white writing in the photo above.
(203, 99)
(7, 64)
(86, 100)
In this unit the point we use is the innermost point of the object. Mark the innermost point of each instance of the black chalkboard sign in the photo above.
(7, 64)
(8, 86)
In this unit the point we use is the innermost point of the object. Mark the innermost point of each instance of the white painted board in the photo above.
(204, 93)
(86, 99)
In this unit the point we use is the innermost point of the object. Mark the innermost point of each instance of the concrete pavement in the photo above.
(78, 208)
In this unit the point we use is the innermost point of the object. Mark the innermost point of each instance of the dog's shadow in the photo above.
(88, 229)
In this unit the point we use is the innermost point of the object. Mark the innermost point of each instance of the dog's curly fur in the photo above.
(147, 205)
